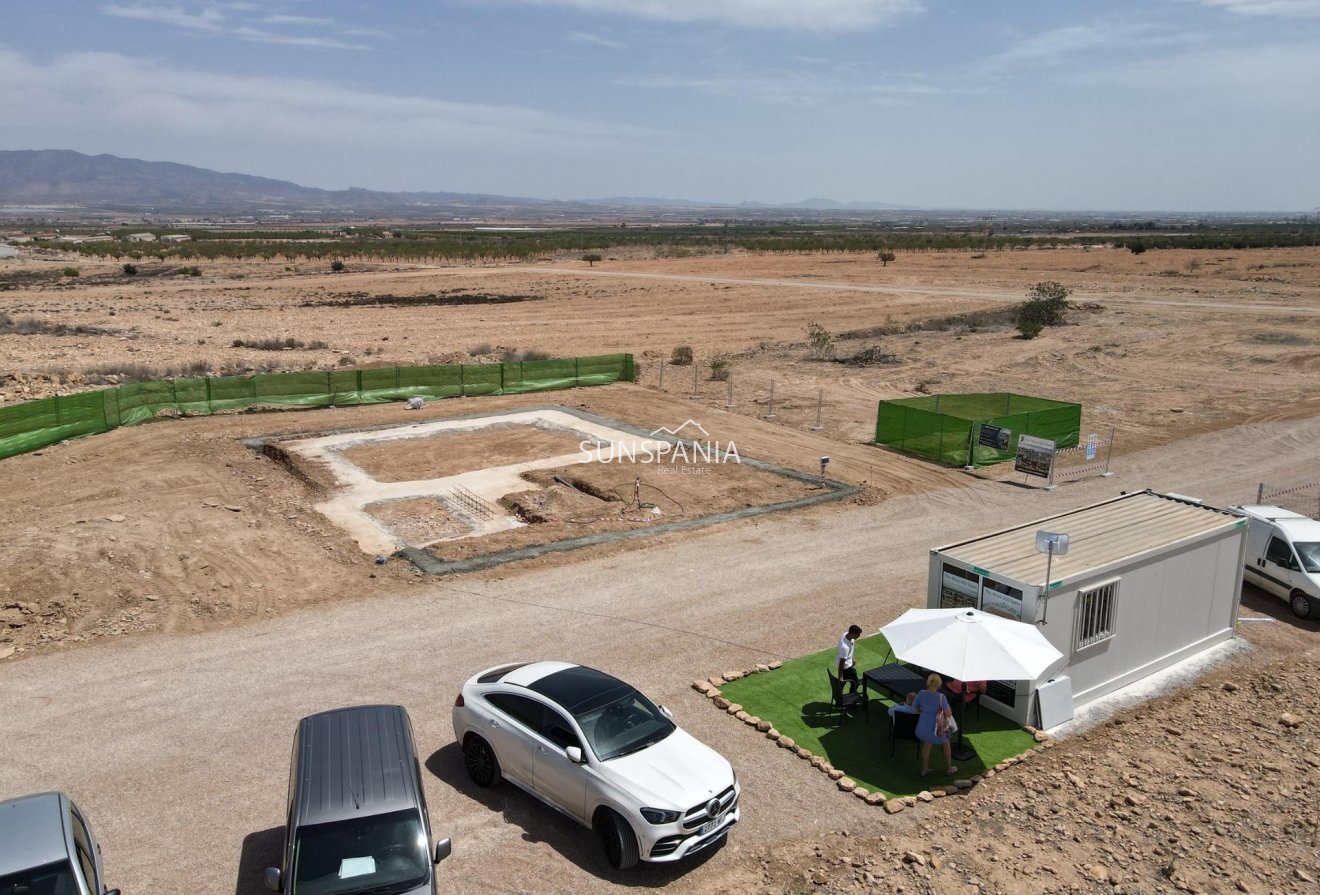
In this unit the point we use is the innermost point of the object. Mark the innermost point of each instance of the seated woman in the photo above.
(932, 724)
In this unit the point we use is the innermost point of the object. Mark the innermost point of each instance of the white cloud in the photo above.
(1286, 8)
(209, 19)
(813, 15)
(117, 100)
(596, 40)
(1281, 75)
(245, 21)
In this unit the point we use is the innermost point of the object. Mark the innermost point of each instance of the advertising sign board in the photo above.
(1034, 456)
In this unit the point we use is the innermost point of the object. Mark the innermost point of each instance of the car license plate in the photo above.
(711, 825)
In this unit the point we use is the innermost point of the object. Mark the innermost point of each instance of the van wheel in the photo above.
(1302, 606)
(619, 841)
(482, 765)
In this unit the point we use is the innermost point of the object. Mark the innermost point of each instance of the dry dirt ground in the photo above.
(1206, 363)
(177, 744)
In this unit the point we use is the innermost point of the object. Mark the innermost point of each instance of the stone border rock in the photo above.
(710, 688)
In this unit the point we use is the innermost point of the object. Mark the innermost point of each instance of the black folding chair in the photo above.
(846, 702)
(902, 726)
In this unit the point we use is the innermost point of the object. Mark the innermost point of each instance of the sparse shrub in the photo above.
(337, 265)
(821, 340)
(130, 270)
(275, 344)
(681, 356)
(512, 356)
(1029, 328)
(70, 271)
(1046, 305)
(719, 368)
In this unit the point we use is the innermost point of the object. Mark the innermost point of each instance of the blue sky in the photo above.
(1154, 105)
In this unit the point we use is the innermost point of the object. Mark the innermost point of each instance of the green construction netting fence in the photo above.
(944, 427)
(36, 424)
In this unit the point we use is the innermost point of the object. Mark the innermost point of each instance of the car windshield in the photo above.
(381, 855)
(1309, 554)
(625, 725)
(49, 879)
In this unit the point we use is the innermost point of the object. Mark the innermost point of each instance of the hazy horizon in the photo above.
(1181, 106)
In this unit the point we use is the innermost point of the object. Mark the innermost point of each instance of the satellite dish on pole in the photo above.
(1052, 544)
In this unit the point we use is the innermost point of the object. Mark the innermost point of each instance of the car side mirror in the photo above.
(664, 710)
(443, 849)
(271, 877)
(574, 754)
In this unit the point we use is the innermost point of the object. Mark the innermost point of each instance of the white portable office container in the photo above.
(1148, 580)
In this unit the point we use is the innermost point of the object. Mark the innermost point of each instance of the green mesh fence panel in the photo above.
(35, 424)
(604, 369)
(310, 389)
(944, 427)
(539, 375)
(483, 379)
(141, 401)
(193, 396)
(434, 381)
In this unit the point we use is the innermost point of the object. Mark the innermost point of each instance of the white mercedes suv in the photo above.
(596, 749)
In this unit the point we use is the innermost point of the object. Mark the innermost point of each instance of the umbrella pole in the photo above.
(961, 751)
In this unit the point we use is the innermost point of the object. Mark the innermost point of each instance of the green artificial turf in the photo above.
(796, 700)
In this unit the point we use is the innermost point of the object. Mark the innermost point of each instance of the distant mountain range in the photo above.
(62, 177)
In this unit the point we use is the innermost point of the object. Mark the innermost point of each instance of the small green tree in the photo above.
(591, 258)
(1046, 305)
(681, 356)
(821, 339)
(884, 257)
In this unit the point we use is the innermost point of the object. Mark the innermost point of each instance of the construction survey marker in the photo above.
(1035, 456)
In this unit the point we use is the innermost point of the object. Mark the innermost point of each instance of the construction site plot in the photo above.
(459, 489)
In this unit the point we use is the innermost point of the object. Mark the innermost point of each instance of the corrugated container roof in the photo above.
(1098, 536)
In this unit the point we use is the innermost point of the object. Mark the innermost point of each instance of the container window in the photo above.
(1094, 615)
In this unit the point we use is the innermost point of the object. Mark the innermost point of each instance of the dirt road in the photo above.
(178, 746)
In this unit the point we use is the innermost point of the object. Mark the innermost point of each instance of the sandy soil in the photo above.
(413, 459)
(255, 610)
(680, 492)
(188, 763)
(133, 531)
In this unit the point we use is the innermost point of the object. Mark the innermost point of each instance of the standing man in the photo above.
(847, 664)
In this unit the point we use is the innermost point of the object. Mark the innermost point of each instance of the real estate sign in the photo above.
(1034, 456)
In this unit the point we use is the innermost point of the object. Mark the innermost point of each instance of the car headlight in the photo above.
(659, 815)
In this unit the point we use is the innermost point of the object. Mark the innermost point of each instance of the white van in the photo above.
(1283, 556)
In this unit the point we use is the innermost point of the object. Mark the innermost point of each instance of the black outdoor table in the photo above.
(895, 680)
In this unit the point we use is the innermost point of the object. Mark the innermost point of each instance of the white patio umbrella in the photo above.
(970, 645)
